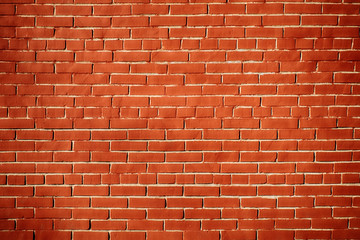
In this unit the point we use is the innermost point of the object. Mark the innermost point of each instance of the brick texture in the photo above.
(179, 119)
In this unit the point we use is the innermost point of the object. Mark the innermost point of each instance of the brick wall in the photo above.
(179, 119)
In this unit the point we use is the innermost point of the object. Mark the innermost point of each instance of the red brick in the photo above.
(145, 225)
(279, 123)
(51, 233)
(167, 21)
(73, 10)
(263, 234)
(312, 212)
(56, 44)
(72, 202)
(187, 9)
(127, 235)
(227, 9)
(242, 20)
(256, 224)
(205, 21)
(126, 123)
(274, 8)
(167, 235)
(127, 191)
(93, 56)
(201, 213)
(165, 124)
(201, 191)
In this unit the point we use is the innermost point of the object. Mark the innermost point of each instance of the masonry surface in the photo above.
(179, 119)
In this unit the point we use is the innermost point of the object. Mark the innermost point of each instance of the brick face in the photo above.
(179, 119)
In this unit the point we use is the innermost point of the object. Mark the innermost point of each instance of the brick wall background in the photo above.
(179, 119)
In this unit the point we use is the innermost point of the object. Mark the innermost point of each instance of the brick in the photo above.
(205, 21)
(17, 123)
(51, 233)
(17, 146)
(187, 32)
(164, 146)
(328, 8)
(167, 21)
(87, 146)
(16, 213)
(56, 44)
(290, 157)
(264, 32)
(313, 233)
(165, 214)
(304, 44)
(130, 21)
(73, 10)
(274, 8)
(165, 124)
(201, 191)
(106, 202)
(91, 235)
(199, 123)
(148, 68)
(8, 9)
(308, 212)
(112, 33)
(90, 213)
(165, 191)
(36, 67)
(149, 33)
(180, 202)
(187, 9)
(227, 9)
(190, 44)
(256, 224)
(55, 56)
(169, 235)
(145, 225)
(323, 123)
(261, 67)
(200, 213)
(276, 233)
(280, 20)
(243, 20)
(219, 224)
(70, 202)
(54, 21)
(93, 56)
(255, 157)
(91, 21)
(279, 123)
(146, 157)
(72, 67)
(299, 8)
(111, 10)
(180, 157)
(202, 234)
(125, 235)
(126, 57)
(127, 191)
